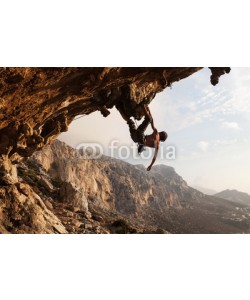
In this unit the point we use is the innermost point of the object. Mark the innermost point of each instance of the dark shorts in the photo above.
(137, 134)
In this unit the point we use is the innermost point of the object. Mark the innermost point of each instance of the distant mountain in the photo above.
(205, 190)
(235, 196)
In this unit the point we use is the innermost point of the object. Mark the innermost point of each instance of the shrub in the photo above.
(57, 182)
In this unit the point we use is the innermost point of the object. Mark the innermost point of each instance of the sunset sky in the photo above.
(208, 126)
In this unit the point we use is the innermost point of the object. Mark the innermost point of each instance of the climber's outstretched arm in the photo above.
(148, 114)
(156, 143)
(154, 158)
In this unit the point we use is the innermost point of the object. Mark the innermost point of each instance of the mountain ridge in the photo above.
(235, 196)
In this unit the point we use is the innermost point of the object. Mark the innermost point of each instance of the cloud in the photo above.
(206, 102)
(231, 125)
(225, 142)
(183, 110)
(203, 145)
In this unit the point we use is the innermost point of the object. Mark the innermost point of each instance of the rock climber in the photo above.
(138, 136)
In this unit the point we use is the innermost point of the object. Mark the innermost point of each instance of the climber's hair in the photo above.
(163, 136)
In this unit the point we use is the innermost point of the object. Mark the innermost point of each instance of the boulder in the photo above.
(73, 196)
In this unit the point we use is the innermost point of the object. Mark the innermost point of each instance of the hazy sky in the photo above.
(208, 126)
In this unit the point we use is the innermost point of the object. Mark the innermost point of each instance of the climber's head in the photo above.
(163, 136)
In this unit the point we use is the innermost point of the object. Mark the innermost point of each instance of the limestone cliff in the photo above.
(58, 190)
(116, 185)
(108, 196)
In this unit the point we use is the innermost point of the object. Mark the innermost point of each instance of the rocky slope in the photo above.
(37, 104)
(111, 196)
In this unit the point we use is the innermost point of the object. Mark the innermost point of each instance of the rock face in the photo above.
(37, 104)
(116, 185)
(73, 196)
(27, 215)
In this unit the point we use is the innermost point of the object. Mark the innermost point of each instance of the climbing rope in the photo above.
(80, 117)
